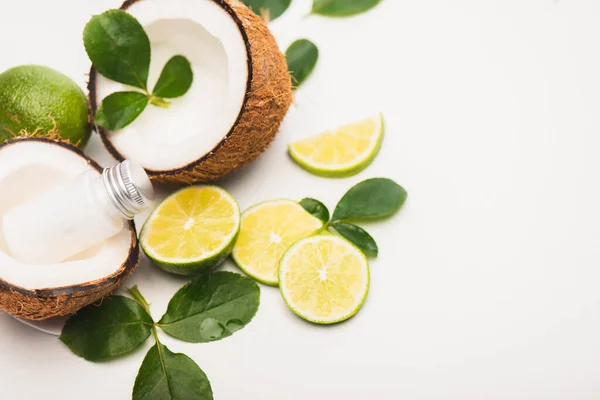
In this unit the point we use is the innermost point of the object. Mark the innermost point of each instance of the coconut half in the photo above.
(240, 93)
(28, 167)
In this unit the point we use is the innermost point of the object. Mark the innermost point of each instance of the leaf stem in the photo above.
(157, 101)
(137, 295)
(155, 334)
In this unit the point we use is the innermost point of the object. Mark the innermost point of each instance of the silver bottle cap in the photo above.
(128, 188)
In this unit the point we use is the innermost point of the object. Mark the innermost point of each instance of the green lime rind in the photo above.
(317, 321)
(248, 271)
(196, 266)
(341, 172)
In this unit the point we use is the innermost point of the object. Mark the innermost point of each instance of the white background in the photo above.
(488, 282)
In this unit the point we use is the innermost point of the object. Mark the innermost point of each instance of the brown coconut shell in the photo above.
(267, 100)
(53, 302)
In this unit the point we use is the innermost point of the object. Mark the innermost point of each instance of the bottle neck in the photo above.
(122, 191)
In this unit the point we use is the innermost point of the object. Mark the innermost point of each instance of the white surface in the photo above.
(487, 283)
(195, 123)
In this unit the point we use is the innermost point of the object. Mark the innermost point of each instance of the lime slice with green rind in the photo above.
(268, 230)
(342, 152)
(192, 231)
(324, 279)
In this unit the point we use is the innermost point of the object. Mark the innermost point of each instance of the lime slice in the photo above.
(324, 279)
(268, 230)
(343, 152)
(192, 231)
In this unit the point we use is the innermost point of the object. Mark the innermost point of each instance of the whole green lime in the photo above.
(39, 101)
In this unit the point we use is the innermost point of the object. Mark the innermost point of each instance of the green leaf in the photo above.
(316, 208)
(119, 109)
(358, 236)
(115, 327)
(168, 376)
(175, 79)
(342, 8)
(372, 199)
(301, 58)
(268, 9)
(211, 307)
(118, 47)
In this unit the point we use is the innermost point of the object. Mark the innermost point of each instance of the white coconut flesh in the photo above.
(203, 32)
(28, 169)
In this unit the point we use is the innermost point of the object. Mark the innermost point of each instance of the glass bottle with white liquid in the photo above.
(77, 215)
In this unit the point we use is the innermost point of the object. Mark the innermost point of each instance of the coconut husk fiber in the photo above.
(267, 100)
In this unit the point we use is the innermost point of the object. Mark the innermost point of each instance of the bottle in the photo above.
(77, 215)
